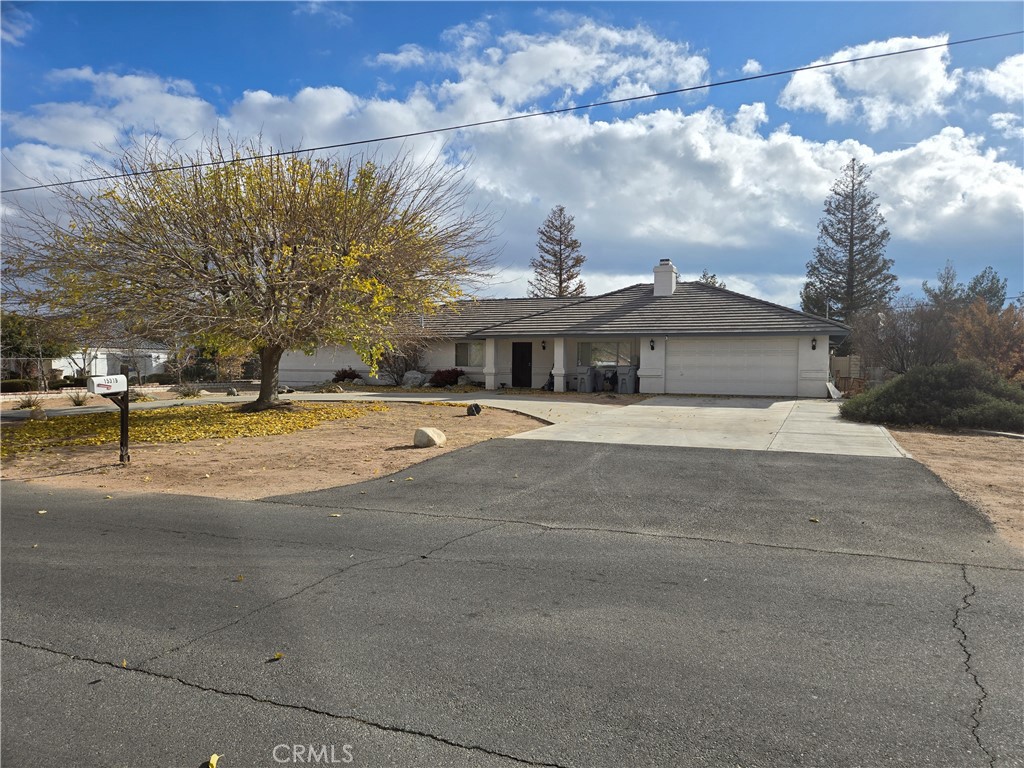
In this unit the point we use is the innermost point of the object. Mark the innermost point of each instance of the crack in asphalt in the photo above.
(295, 707)
(547, 527)
(265, 606)
(979, 703)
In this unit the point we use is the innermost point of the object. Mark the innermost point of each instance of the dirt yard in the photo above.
(333, 453)
(986, 472)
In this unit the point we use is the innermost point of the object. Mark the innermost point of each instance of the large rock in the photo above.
(414, 379)
(464, 381)
(429, 437)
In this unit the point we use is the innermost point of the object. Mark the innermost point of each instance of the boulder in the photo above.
(464, 381)
(473, 409)
(358, 382)
(429, 437)
(232, 392)
(414, 379)
(38, 414)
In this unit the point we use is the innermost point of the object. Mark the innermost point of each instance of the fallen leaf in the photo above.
(35, 546)
(212, 762)
(334, 514)
(814, 520)
(408, 478)
(124, 663)
(239, 577)
(43, 511)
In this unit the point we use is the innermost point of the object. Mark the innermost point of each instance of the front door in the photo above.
(522, 364)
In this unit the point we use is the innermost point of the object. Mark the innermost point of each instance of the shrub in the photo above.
(346, 374)
(962, 395)
(161, 378)
(18, 385)
(78, 398)
(446, 378)
(29, 402)
(187, 390)
(136, 395)
(76, 381)
(56, 384)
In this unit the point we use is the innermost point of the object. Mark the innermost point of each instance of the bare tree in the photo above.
(236, 246)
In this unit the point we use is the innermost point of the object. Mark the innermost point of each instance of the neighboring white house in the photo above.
(143, 358)
(665, 337)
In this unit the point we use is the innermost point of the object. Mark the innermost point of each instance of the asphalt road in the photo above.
(520, 603)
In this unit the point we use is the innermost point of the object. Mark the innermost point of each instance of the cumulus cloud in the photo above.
(752, 67)
(880, 91)
(1006, 81)
(727, 190)
(514, 69)
(15, 23)
(1008, 124)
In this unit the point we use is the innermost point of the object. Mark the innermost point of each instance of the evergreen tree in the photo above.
(849, 269)
(557, 265)
(711, 279)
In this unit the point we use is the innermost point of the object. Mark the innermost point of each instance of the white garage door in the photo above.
(732, 366)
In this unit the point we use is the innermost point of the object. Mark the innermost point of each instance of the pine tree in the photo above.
(711, 279)
(557, 265)
(849, 271)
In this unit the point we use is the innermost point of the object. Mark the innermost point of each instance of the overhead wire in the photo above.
(510, 118)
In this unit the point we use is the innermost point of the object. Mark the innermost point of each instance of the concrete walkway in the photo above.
(753, 424)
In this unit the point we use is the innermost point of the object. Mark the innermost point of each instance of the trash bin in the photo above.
(586, 381)
(627, 380)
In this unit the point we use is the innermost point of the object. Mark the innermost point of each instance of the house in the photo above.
(661, 337)
(142, 357)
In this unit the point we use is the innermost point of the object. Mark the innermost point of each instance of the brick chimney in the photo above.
(665, 277)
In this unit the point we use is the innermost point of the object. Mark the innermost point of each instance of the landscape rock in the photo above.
(429, 437)
(232, 392)
(359, 382)
(463, 381)
(473, 409)
(414, 379)
(38, 414)
(285, 390)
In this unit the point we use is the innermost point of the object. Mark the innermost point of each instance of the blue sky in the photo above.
(731, 179)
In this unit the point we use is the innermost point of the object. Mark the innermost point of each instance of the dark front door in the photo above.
(522, 364)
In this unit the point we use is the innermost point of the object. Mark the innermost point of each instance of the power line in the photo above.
(496, 121)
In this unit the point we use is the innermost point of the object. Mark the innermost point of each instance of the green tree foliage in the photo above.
(244, 250)
(849, 269)
(953, 296)
(558, 261)
(958, 395)
(27, 341)
(711, 279)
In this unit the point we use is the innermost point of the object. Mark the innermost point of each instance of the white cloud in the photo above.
(879, 91)
(733, 192)
(1006, 81)
(15, 23)
(752, 67)
(330, 12)
(1008, 124)
(516, 68)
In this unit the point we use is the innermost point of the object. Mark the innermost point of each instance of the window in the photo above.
(608, 353)
(469, 354)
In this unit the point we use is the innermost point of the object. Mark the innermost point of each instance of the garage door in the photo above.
(732, 366)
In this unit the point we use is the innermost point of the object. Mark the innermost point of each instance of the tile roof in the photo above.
(465, 318)
(694, 309)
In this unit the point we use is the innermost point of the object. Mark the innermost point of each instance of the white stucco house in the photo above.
(661, 337)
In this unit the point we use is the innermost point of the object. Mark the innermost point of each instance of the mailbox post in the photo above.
(115, 389)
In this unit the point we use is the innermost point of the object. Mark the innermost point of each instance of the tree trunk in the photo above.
(270, 362)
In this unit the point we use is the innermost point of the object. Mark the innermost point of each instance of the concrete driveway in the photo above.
(754, 424)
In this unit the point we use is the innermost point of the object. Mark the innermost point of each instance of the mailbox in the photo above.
(107, 385)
